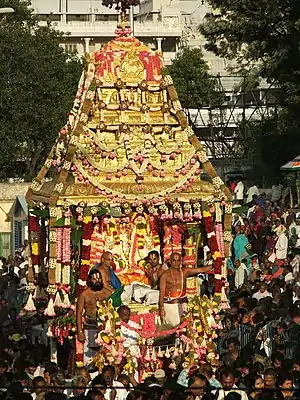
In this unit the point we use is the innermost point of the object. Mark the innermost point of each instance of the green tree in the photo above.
(38, 81)
(195, 86)
(258, 32)
(272, 142)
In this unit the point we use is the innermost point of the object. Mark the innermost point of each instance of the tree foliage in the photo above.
(38, 81)
(195, 86)
(272, 142)
(258, 32)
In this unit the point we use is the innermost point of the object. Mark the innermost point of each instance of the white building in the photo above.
(163, 24)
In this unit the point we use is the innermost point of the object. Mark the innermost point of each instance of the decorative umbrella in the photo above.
(294, 165)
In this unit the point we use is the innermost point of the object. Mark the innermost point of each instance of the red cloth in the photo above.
(232, 186)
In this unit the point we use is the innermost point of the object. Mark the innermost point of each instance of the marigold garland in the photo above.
(34, 230)
(87, 231)
(214, 248)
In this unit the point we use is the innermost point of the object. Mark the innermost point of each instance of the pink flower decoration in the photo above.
(108, 176)
(150, 167)
(172, 156)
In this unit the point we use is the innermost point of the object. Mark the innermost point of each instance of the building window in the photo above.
(48, 17)
(107, 17)
(70, 48)
(77, 17)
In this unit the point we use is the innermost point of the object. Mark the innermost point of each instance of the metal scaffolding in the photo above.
(223, 128)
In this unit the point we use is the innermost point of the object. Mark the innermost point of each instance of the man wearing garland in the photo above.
(86, 308)
(172, 297)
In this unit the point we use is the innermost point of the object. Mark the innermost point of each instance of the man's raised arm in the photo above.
(196, 271)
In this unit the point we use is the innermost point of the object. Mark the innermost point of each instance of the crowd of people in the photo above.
(258, 347)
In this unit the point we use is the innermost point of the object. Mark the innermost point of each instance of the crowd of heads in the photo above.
(258, 347)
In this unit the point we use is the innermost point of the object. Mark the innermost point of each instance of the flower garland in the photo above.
(147, 335)
(63, 327)
(87, 230)
(154, 229)
(66, 254)
(172, 240)
(34, 230)
(97, 245)
(213, 245)
(220, 238)
(59, 252)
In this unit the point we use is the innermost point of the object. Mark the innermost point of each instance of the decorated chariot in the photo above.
(128, 175)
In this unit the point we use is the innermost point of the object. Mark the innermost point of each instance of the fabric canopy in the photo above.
(293, 165)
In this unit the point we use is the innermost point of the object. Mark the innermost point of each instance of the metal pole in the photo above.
(131, 20)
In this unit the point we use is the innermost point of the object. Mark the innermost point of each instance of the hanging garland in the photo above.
(147, 335)
(154, 230)
(214, 248)
(66, 248)
(87, 231)
(34, 229)
(59, 252)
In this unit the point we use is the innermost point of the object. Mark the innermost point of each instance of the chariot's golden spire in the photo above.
(127, 138)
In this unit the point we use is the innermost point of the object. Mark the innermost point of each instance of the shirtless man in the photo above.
(87, 305)
(172, 294)
(154, 269)
(105, 268)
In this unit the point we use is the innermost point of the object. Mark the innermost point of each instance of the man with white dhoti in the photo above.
(172, 296)
(86, 310)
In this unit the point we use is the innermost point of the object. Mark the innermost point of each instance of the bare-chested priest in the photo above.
(110, 280)
(172, 289)
(86, 309)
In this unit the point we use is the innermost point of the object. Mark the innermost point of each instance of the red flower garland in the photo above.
(153, 334)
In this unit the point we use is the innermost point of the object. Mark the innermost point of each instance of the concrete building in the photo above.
(165, 25)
